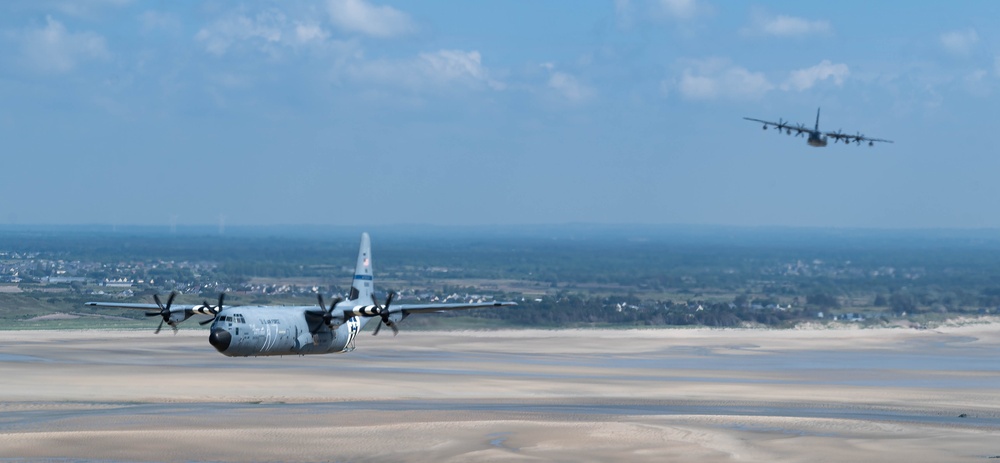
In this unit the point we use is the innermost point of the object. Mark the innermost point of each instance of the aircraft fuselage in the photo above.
(816, 139)
(264, 331)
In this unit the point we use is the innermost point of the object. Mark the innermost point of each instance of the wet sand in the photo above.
(649, 395)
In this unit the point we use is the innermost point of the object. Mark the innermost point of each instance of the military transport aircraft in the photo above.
(243, 331)
(817, 138)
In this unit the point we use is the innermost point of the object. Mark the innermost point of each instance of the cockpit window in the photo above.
(229, 319)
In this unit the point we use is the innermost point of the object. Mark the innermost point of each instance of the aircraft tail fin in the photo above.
(817, 119)
(362, 286)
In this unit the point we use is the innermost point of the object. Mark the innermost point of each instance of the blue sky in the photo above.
(358, 112)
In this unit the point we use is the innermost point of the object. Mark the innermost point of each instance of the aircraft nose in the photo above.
(220, 339)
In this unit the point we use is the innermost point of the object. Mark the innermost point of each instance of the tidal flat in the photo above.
(519, 395)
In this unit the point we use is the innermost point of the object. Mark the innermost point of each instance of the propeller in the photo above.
(164, 312)
(858, 137)
(384, 313)
(782, 124)
(328, 316)
(801, 129)
(217, 309)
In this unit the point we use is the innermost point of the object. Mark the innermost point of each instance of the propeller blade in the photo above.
(215, 310)
(378, 309)
(384, 313)
(328, 316)
(164, 312)
(387, 320)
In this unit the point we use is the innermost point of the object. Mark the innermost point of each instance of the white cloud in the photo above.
(440, 69)
(960, 42)
(263, 29)
(804, 79)
(81, 9)
(567, 86)
(267, 31)
(680, 9)
(307, 33)
(977, 83)
(456, 66)
(54, 49)
(630, 12)
(713, 79)
(156, 20)
(375, 21)
(788, 26)
(623, 11)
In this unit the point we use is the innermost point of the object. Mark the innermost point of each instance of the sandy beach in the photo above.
(575, 395)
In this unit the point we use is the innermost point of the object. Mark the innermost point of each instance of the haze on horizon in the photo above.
(371, 112)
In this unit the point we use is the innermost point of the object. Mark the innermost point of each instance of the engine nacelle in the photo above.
(177, 316)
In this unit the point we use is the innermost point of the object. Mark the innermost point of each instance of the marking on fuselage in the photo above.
(353, 327)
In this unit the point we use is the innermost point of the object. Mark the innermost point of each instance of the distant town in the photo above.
(598, 281)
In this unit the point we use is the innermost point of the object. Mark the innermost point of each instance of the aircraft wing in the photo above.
(317, 312)
(123, 305)
(174, 308)
(857, 138)
(762, 121)
(781, 125)
(171, 314)
(431, 308)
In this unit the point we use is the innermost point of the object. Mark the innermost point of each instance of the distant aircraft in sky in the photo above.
(244, 331)
(817, 138)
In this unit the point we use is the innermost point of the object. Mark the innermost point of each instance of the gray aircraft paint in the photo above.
(245, 331)
(283, 331)
(361, 287)
(815, 137)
